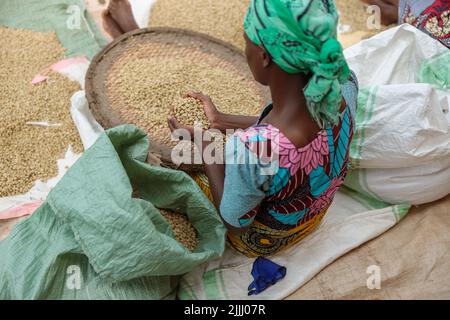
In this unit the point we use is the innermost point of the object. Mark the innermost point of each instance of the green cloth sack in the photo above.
(92, 240)
(75, 28)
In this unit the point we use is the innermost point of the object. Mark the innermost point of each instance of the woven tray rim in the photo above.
(163, 151)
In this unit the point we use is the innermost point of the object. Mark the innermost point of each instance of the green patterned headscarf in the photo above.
(300, 36)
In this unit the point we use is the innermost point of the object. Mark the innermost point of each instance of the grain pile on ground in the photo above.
(354, 14)
(142, 90)
(29, 152)
(189, 111)
(183, 230)
(217, 18)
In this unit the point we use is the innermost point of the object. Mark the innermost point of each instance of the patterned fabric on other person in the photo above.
(429, 16)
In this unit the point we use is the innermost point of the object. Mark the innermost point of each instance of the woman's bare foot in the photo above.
(110, 25)
(120, 11)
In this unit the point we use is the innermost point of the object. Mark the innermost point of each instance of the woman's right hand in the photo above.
(212, 114)
(222, 121)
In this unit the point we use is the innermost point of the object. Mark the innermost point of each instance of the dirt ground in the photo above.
(413, 258)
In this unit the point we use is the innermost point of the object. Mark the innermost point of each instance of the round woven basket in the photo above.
(153, 43)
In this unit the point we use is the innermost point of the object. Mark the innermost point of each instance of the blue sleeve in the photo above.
(245, 187)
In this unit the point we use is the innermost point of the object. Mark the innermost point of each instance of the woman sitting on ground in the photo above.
(271, 201)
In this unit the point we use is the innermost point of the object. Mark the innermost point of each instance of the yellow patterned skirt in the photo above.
(260, 240)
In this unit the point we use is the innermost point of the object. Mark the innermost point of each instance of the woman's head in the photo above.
(299, 37)
(258, 60)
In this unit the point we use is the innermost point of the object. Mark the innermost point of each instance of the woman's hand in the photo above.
(185, 132)
(212, 114)
(174, 125)
(222, 121)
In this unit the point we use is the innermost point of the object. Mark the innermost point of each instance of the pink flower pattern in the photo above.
(307, 158)
(312, 155)
(324, 200)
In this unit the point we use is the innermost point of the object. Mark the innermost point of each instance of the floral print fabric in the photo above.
(281, 208)
(430, 16)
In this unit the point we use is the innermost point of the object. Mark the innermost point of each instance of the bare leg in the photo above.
(389, 10)
(120, 11)
(110, 25)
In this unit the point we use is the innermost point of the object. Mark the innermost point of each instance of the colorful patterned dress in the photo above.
(429, 16)
(281, 203)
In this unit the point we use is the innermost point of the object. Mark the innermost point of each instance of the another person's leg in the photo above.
(389, 10)
(119, 14)
(110, 25)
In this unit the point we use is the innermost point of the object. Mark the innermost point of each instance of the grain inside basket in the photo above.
(29, 152)
(142, 90)
(189, 111)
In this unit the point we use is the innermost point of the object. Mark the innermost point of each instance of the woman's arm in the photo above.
(231, 121)
(222, 121)
(216, 177)
(215, 173)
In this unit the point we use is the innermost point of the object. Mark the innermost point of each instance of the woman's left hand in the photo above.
(185, 132)
(175, 125)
